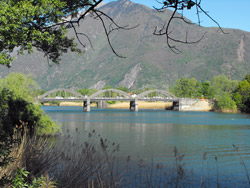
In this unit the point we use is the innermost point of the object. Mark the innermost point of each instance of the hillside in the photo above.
(148, 63)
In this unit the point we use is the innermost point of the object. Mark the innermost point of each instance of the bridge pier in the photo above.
(133, 106)
(176, 105)
(102, 104)
(86, 105)
(99, 104)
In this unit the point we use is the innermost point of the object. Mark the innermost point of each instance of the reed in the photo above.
(91, 163)
(97, 162)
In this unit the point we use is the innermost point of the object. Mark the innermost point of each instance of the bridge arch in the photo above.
(61, 90)
(145, 93)
(110, 90)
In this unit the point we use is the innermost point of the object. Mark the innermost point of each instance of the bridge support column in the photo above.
(133, 106)
(176, 105)
(102, 104)
(185, 104)
(99, 104)
(86, 105)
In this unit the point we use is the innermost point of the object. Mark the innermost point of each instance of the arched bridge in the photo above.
(108, 95)
(165, 95)
(60, 94)
(110, 92)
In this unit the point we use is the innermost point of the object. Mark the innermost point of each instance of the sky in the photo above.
(228, 13)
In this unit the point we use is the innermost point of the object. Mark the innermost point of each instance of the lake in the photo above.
(153, 135)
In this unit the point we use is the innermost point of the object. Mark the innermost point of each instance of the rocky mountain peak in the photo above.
(124, 1)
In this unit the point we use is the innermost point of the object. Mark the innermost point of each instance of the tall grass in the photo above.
(96, 162)
(89, 164)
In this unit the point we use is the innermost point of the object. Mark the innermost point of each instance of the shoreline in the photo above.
(142, 105)
(146, 105)
(121, 105)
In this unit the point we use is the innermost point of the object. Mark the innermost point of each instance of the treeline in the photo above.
(229, 94)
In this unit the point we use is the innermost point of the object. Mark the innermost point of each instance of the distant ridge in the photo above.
(148, 63)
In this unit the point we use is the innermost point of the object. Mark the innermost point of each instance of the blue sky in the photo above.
(229, 13)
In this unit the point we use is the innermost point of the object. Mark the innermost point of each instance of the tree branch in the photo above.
(180, 5)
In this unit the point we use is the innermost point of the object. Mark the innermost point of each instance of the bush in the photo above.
(18, 111)
(21, 180)
(225, 102)
(242, 95)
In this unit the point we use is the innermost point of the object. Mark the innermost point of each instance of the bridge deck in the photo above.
(108, 99)
(102, 95)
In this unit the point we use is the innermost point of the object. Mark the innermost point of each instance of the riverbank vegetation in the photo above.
(241, 95)
(62, 161)
(30, 156)
(19, 115)
(229, 95)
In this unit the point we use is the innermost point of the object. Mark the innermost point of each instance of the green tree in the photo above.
(187, 87)
(41, 24)
(247, 78)
(207, 90)
(154, 94)
(222, 84)
(5, 131)
(18, 93)
(225, 102)
(87, 92)
(22, 86)
(125, 89)
(107, 87)
(242, 96)
(108, 94)
(223, 92)
(18, 112)
(237, 97)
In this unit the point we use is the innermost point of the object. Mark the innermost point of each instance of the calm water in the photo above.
(154, 134)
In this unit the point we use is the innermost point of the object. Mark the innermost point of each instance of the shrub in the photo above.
(225, 102)
(21, 180)
(17, 111)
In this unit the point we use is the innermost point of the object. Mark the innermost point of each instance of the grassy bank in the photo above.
(123, 105)
(143, 105)
(64, 104)
(96, 162)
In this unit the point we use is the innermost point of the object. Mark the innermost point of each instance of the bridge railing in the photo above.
(113, 95)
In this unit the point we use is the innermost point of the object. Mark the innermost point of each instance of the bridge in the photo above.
(109, 95)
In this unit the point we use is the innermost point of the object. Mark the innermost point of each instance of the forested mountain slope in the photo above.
(148, 63)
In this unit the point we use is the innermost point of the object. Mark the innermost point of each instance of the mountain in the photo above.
(148, 63)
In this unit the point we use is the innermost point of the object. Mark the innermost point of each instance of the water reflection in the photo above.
(153, 134)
